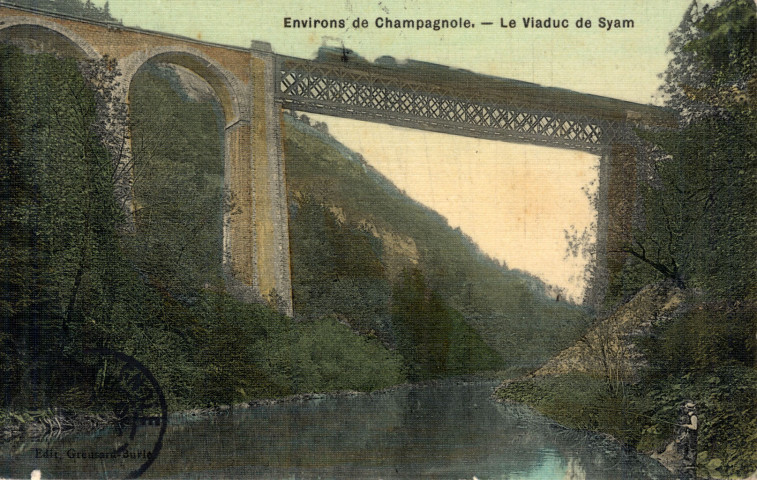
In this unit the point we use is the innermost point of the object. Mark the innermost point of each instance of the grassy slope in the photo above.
(508, 309)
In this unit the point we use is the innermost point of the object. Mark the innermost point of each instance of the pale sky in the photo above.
(515, 201)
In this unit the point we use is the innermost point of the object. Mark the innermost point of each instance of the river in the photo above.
(451, 430)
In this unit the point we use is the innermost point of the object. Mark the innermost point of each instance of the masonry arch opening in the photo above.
(179, 111)
(34, 35)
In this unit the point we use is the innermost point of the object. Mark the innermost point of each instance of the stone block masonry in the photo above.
(256, 235)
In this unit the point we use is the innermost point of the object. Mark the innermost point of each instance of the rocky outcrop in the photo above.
(608, 348)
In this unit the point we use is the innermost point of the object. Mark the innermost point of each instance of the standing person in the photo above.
(687, 439)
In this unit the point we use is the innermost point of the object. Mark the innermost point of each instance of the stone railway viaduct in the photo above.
(254, 85)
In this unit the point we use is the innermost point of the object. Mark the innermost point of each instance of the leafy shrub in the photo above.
(727, 412)
(328, 356)
(578, 401)
(708, 335)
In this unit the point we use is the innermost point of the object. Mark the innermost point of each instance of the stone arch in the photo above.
(234, 99)
(226, 86)
(48, 35)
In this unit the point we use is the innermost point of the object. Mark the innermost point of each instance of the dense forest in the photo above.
(385, 291)
(75, 280)
(693, 246)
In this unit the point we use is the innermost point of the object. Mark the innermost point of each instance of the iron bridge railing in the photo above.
(320, 87)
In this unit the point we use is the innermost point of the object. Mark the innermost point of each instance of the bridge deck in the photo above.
(438, 98)
(425, 96)
(254, 83)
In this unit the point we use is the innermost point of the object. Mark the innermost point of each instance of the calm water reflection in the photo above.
(451, 431)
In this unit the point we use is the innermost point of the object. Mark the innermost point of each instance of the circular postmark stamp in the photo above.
(130, 391)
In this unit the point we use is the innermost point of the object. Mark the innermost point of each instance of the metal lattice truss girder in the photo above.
(319, 88)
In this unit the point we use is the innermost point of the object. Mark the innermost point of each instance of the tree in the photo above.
(58, 229)
(177, 180)
(423, 325)
(698, 189)
(606, 351)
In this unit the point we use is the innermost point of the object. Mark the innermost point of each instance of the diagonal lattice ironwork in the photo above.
(321, 87)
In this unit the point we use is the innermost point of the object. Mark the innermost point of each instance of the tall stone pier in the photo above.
(254, 84)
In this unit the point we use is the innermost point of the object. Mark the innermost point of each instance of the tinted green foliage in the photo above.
(473, 307)
(178, 183)
(327, 355)
(701, 208)
(247, 351)
(72, 280)
(434, 338)
(729, 40)
(726, 411)
(700, 191)
(423, 324)
(707, 355)
(709, 335)
(337, 270)
(468, 352)
(58, 221)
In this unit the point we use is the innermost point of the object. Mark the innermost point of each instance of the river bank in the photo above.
(56, 423)
(442, 429)
(306, 397)
(50, 423)
(629, 375)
